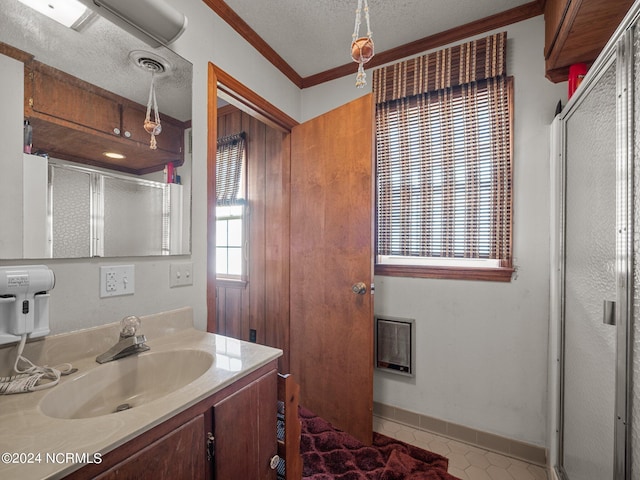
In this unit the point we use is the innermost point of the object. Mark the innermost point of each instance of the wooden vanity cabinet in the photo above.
(250, 443)
(230, 435)
(576, 31)
(75, 120)
(172, 456)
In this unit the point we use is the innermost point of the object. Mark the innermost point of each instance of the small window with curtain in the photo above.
(230, 206)
(444, 164)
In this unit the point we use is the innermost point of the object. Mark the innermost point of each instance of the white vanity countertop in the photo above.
(35, 446)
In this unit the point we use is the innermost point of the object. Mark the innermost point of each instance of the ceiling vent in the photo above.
(149, 62)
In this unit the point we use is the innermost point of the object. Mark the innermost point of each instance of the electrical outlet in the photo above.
(117, 280)
(111, 279)
(180, 274)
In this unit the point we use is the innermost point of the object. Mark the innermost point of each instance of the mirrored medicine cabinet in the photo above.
(84, 91)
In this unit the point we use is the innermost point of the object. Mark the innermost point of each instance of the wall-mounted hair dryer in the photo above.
(24, 302)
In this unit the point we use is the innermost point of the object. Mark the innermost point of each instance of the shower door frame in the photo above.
(619, 49)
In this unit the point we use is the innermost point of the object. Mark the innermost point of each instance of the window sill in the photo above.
(502, 274)
(231, 282)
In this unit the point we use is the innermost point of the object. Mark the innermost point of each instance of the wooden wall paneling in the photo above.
(234, 312)
(240, 122)
(264, 302)
(220, 309)
(257, 208)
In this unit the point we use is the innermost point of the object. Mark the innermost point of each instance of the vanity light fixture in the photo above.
(114, 155)
(361, 47)
(69, 13)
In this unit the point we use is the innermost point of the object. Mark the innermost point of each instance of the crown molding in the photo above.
(239, 25)
(513, 15)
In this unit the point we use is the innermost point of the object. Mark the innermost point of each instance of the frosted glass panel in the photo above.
(589, 385)
(134, 218)
(69, 212)
(635, 402)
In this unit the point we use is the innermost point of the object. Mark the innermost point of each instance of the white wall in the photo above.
(11, 138)
(482, 346)
(75, 300)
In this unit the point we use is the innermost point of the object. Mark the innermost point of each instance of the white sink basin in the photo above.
(125, 383)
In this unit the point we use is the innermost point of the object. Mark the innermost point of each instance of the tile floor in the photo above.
(466, 462)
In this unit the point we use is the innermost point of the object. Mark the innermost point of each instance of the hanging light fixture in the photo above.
(361, 47)
(155, 65)
(152, 127)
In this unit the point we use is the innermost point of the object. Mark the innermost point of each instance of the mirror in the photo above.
(70, 192)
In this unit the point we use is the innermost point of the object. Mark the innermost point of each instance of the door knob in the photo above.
(359, 288)
(273, 463)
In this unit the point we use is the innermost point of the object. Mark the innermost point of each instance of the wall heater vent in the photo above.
(395, 345)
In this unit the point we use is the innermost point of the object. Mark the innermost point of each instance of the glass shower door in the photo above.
(588, 414)
(635, 347)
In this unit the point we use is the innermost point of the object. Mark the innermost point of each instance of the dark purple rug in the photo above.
(329, 453)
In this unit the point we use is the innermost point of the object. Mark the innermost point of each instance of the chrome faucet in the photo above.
(128, 344)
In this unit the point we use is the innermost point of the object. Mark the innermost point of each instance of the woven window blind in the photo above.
(443, 133)
(230, 157)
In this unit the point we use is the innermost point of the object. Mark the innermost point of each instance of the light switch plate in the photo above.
(180, 274)
(117, 280)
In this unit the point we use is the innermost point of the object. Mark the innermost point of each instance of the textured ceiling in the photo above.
(313, 36)
(98, 54)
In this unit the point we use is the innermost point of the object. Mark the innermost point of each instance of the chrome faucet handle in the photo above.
(129, 326)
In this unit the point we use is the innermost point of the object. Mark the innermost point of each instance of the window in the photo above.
(444, 167)
(230, 206)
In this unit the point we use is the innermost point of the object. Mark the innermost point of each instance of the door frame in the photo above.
(221, 84)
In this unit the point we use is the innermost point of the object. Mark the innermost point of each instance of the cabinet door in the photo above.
(180, 454)
(554, 12)
(170, 139)
(245, 431)
(65, 101)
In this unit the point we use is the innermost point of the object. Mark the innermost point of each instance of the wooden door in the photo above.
(331, 250)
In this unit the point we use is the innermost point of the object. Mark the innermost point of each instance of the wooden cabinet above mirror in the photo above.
(576, 31)
(74, 120)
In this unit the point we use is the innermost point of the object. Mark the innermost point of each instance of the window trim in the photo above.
(503, 273)
(498, 274)
(242, 278)
(234, 195)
